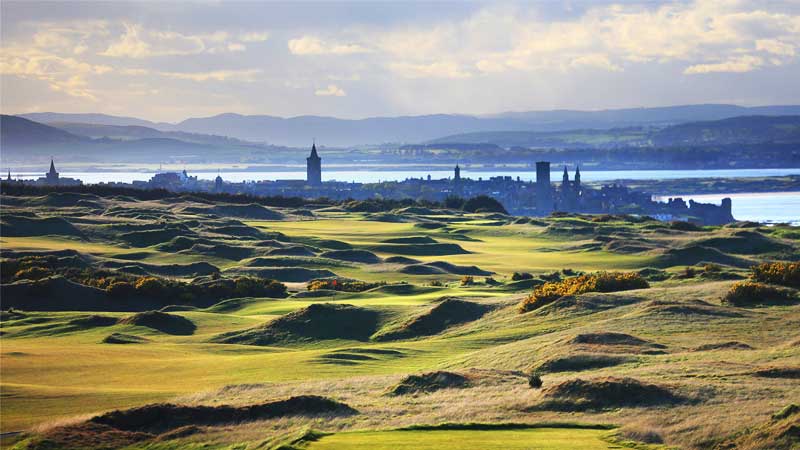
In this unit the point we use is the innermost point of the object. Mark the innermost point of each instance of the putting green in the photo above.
(527, 439)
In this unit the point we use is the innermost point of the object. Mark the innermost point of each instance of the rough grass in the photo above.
(580, 394)
(429, 382)
(160, 321)
(443, 315)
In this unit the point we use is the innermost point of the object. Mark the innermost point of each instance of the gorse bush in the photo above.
(344, 285)
(785, 274)
(749, 293)
(598, 282)
(517, 276)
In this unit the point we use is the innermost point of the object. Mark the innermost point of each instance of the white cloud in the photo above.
(254, 36)
(310, 45)
(596, 61)
(739, 64)
(247, 75)
(331, 91)
(775, 47)
(442, 69)
(236, 47)
(138, 42)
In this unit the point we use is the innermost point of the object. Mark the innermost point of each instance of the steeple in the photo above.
(565, 178)
(9, 175)
(52, 167)
(314, 166)
(52, 176)
(577, 176)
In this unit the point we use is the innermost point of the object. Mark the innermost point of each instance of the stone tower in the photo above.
(314, 167)
(218, 183)
(457, 174)
(544, 192)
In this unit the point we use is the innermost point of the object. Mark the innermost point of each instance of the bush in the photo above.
(32, 273)
(344, 285)
(517, 276)
(484, 203)
(534, 380)
(599, 282)
(785, 274)
(467, 280)
(748, 293)
(436, 283)
(150, 286)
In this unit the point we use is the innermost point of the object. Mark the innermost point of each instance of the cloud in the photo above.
(236, 47)
(254, 36)
(247, 75)
(775, 47)
(443, 69)
(596, 61)
(740, 64)
(331, 91)
(139, 43)
(310, 45)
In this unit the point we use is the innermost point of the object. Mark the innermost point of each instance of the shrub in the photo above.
(32, 273)
(534, 380)
(712, 268)
(467, 280)
(490, 281)
(150, 286)
(484, 203)
(785, 274)
(599, 282)
(344, 285)
(517, 276)
(748, 293)
(436, 283)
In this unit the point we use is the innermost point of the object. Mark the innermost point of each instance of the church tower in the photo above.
(457, 175)
(218, 183)
(52, 176)
(314, 167)
(577, 178)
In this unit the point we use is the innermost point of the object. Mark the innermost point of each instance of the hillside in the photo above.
(296, 131)
(20, 132)
(735, 130)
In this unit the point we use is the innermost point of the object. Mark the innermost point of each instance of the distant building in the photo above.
(314, 167)
(218, 183)
(544, 192)
(53, 178)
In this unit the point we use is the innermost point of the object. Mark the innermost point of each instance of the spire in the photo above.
(566, 175)
(9, 174)
(577, 175)
(314, 149)
(52, 166)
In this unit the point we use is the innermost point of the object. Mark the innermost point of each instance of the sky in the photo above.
(168, 61)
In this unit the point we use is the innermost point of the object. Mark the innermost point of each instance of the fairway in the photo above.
(524, 439)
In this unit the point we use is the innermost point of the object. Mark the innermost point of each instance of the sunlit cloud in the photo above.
(248, 75)
(739, 64)
(309, 45)
(331, 91)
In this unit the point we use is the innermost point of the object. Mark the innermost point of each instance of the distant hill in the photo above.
(128, 132)
(20, 132)
(736, 130)
(298, 131)
(99, 119)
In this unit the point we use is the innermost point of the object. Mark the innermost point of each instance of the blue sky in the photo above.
(173, 60)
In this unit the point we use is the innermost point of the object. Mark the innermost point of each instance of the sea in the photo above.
(772, 207)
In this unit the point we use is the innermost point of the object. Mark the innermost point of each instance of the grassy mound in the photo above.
(316, 294)
(421, 269)
(429, 382)
(459, 270)
(295, 250)
(402, 289)
(607, 338)
(86, 435)
(411, 240)
(603, 393)
(445, 314)
(122, 338)
(320, 321)
(18, 226)
(401, 260)
(745, 242)
(167, 270)
(690, 309)
(160, 321)
(238, 231)
(781, 432)
(358, 256)
(224, 251)
(286, 274)
(53, 294)
(57, 327)
(438, 249)
(152, 237)
(162, 417)
(730, 345)
(293, 261)
(580, 362)
(693, 255)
